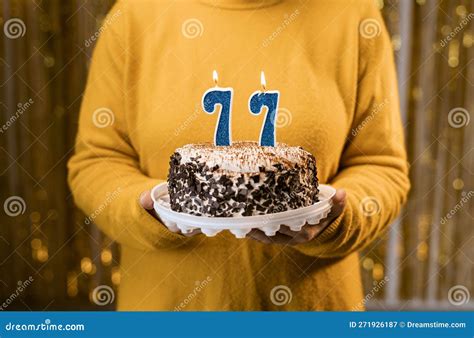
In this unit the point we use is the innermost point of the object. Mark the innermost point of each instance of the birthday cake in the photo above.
(243, 179)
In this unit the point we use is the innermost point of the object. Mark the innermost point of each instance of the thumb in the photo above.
(145, 200)
(338, 204)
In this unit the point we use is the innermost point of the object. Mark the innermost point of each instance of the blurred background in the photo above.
(52, 259)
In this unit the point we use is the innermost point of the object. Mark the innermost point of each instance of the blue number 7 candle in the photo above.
(223, 97)
(269, 99)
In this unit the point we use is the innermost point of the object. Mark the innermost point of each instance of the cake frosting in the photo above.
(243, 179)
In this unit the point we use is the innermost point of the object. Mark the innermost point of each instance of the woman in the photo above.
(332, 62)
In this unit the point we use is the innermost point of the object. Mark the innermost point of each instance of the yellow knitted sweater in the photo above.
(332, 62)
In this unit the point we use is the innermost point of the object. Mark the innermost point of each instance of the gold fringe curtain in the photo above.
(43, 76)
(438, 228)
(417, 263)
(427, 257)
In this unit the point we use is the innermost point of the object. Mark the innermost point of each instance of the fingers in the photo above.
(339, 202)
(309, 232)
(145, 200)
(280, 239)
(339, 196)
(305, 235)
(287, 231)
(147, 203)
(260, 236)
(192, 233)
(285, 235)
(302, 236)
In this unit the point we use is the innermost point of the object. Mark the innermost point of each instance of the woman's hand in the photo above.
(147, 203)
(308, 232)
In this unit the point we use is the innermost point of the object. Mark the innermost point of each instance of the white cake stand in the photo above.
(240, 226)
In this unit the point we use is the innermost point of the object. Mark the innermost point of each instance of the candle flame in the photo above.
(263, 81)
(215, 77)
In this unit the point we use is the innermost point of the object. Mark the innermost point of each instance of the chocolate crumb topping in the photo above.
(241, 180)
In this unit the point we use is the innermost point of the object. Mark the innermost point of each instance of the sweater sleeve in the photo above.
(104, 173)
(373, 168)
